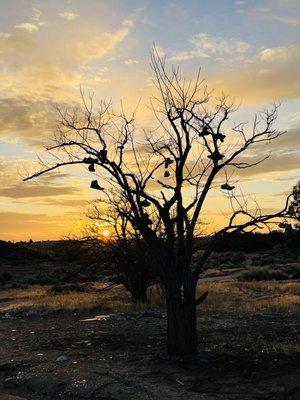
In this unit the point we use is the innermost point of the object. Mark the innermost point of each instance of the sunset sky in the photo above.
(49, 49)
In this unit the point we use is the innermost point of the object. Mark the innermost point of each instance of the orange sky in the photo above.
(51, 49)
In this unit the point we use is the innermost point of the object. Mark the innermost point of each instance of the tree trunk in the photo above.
(139, 295)
(182, 326)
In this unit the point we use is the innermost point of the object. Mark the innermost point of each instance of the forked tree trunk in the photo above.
(182, 327)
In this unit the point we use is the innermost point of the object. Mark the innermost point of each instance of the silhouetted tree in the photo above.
(294, 208)
(166, 174)
(132, 262)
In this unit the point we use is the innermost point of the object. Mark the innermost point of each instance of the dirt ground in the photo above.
(120, 355)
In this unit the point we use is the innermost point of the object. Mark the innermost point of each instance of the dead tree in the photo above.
(166, 174)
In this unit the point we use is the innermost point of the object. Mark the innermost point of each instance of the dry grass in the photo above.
(39, 298)
(242, 297)
(250, 297)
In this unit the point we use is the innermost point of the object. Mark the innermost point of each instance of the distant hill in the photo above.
(13, 253)
(253, 242)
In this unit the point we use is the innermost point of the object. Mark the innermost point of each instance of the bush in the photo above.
(264, 274)
(296, 273)
(5, 277)
(293, 270)
(238, 258)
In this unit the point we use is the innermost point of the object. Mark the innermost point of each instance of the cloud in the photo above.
(88, 47)
(273, 74)
(218, 45)
(28, 26)
(188, 55)
(283, 11)
(284, 156)
(54, 72)
(279, 54)
(31, 121)
(68, 15)
(130, 61)
(35, 76)
(294, 21)
(73, 203)
(4, 35)
(205, 45)
(36, 17)
(159, 50)
(28, 191)
(36, 14)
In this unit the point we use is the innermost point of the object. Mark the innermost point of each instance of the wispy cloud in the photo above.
(130, 61)
(282, 11)
(205, 45)
(28, 26)
(289, 20)
(4, 35)
(28, 191)
(272, 74)
(41, 76)
(284, 156)
(68, 15)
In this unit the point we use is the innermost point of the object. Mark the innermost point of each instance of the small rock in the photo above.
(7, 316)
(83, 382)
(61, 359)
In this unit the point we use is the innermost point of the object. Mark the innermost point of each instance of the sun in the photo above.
(105, 233)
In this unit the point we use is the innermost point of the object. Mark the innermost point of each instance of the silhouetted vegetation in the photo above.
(264, 274)
(250, 242)
(12, 253)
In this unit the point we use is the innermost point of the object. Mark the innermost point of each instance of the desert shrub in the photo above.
(227, 266)
(263, 260)
(264, 274)
(238, 258)
(296, 273)
(256, 261)
(81, 252)
(5, 277)
(294, 240)
(225, 260)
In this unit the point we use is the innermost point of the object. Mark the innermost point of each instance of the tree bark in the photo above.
(182, 326)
